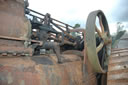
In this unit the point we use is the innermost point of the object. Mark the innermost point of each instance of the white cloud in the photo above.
(73, 11)
(113, 28)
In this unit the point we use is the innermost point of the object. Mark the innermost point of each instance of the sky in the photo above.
(76, 11)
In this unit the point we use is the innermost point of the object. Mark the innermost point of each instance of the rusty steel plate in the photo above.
(118, 67)
(14, 24)
(44, 70)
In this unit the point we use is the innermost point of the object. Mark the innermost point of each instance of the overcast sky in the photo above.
(76, 11)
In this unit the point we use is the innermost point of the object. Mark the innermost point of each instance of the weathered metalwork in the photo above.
(15, 25)
(118, 63)
(43, 70)
(93, 47)
(36, 49)
(118, 67)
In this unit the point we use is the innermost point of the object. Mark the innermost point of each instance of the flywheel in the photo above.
(98, 41)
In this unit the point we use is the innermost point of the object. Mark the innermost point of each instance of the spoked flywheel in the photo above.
(98, 40)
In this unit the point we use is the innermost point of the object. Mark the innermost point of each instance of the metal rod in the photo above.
(18, 39)
(57, 26)
(36, 16)
(35, 12)
(51, 18)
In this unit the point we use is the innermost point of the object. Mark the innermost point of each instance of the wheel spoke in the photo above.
(98, 31)
(101, 24)
(99, 47)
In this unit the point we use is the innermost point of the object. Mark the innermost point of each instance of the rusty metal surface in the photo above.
(43, 70)
(88, 72)
(14, 24)
(16, 41)
(118, 67)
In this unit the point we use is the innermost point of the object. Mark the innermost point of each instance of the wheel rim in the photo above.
(91, 32)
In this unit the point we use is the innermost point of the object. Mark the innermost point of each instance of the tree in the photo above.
(77, 25)
(120, 26)
(120, 32)
(74, 33)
